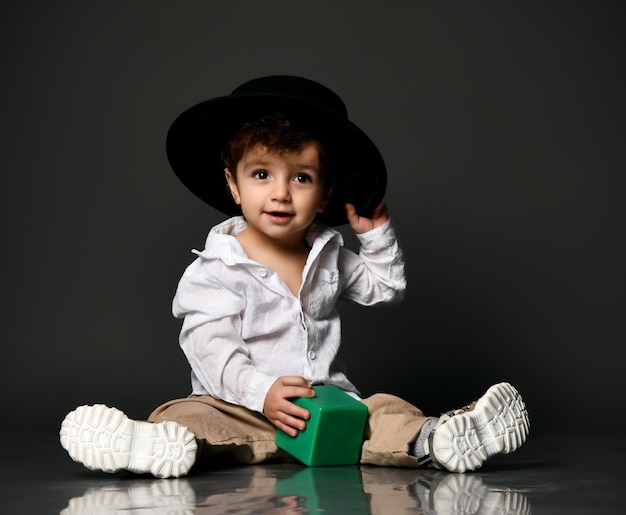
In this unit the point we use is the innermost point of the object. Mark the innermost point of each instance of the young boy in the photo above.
(260, 325)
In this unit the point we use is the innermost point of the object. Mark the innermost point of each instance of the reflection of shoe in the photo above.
(172, 497)
(104, 438)
(466, 493)
(497, 424)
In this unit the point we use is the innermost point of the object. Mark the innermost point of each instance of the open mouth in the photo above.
(279, 216)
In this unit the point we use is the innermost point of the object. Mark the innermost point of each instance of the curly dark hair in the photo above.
(279, 134)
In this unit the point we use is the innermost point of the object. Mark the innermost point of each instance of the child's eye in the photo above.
(302, 177)
(261, 174)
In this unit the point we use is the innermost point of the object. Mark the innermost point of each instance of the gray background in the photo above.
(502, 125)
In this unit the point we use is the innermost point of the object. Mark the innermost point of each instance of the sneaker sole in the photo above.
(498, 424)
(103, 438)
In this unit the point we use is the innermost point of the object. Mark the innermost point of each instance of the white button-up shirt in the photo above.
(243, 328)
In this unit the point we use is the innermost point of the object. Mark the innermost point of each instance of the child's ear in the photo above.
(232, 185)
(328, 193)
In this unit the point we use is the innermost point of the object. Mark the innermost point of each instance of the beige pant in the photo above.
(238, 435)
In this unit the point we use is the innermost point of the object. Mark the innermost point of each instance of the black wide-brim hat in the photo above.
(197, 138)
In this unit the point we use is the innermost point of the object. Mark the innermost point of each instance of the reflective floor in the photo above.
(550, 474)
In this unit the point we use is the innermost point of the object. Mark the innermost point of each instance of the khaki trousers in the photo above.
(229, 432)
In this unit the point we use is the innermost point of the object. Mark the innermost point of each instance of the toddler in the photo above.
(260, 326)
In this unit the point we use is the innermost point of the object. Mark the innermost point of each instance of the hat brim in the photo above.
(196, 139)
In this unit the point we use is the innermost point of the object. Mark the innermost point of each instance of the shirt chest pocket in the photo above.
(322, 293)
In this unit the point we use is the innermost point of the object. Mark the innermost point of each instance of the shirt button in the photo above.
(311, 355)
(263, 272)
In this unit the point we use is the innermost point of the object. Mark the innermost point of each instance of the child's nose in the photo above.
(280, 191)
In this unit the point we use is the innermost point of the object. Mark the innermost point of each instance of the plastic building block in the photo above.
(333, 434)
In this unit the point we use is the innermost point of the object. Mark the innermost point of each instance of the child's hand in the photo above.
(283, 413)
(361, 224)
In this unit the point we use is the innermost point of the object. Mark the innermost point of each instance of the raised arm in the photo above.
(377, 274)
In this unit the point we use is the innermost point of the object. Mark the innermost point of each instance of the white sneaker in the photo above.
(103, 438)
(498, 424)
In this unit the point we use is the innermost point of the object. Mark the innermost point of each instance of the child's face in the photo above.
(280, 194)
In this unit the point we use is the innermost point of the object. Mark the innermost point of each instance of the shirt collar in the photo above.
(222, 244)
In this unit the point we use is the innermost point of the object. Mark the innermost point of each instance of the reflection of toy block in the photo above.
(333, 434)
(323, 490)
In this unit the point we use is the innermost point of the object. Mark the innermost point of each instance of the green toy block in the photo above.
(334, 432)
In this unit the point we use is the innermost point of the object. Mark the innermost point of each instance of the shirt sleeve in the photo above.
(211, 339)
(377, 274)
